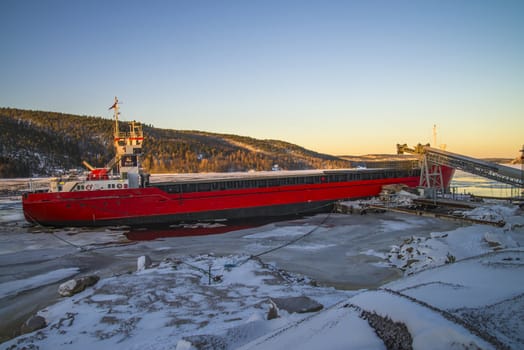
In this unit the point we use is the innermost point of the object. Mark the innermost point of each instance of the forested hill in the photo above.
(36, 143)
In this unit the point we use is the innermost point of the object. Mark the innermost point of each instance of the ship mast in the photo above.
(116, 133)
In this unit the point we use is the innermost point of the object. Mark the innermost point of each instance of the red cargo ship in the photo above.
(128, 198)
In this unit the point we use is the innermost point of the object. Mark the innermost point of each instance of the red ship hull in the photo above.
(151, 205)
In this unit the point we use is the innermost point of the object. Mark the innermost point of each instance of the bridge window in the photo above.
(129, 161)
(337, 178)
(272, 182)
(204, 187)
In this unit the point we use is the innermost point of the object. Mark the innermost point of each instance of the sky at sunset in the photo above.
(338, 77)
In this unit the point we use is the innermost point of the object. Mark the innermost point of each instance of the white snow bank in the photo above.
(419, 253)
(336, 328)
(442, 308)
(428, 329)
(167, 306)
(493, 213)
(484, 280)
(158, 307)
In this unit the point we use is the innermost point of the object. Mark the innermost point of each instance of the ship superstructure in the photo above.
(122, 172)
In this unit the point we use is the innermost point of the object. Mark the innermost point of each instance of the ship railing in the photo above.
(129, 135)
(105, 178)
(84, 178)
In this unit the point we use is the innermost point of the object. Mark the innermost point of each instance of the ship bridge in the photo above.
(433, 160)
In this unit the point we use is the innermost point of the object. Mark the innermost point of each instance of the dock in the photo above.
(439, 209)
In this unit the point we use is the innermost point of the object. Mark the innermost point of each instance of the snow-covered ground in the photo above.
(461, 287)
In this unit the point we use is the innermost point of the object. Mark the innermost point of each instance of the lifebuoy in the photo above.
(119, 186)
(89, 187)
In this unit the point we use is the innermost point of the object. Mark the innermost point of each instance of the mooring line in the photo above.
(66, 241)
(291, 241)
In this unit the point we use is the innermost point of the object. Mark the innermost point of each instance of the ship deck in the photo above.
(256, 175)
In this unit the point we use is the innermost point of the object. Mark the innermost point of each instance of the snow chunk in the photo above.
(143, 263)
(492, 213)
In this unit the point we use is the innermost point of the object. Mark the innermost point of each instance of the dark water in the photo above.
(152, 232)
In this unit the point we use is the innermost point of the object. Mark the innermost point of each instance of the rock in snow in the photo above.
(395, 335)
(202, 342)
(32, 324)
(273, 310)
(77, 285)
(301, 304)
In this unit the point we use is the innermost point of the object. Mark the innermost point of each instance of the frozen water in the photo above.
(21, 285)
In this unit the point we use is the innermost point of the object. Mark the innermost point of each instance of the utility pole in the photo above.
(434, 136)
